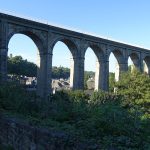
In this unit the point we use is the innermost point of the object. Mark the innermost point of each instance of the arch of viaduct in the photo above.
(46, 36)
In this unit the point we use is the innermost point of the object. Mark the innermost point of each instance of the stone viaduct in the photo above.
(46, 36)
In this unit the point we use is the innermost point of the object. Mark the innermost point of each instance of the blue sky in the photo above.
(121, 20)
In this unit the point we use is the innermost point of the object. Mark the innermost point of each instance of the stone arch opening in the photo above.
(69, 43)
(35, 38)
(90, 69)
(133, 62)
(113, 70)
(93, 58)
(115, 61)
(118, 55)
(64, 58)
(130, 64)
(20, 44)
(24, 47)
(146, 65)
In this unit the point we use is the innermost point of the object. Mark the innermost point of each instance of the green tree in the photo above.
(60, 72)
(18, 66)
(135, 87)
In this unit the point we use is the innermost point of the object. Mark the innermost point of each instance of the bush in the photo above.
(15, 99)
(102, 97)
(103, 118)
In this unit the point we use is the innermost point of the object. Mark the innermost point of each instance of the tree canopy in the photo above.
(19, 66)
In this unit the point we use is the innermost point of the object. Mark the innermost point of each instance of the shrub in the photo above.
(117, 121)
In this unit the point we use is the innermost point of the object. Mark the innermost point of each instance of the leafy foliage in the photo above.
(18, 66)
(113, 121)
(135, 87)
(60, 72)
